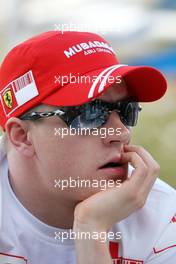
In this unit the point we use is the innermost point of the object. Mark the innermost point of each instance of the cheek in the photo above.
(71, 156)
(77, 154)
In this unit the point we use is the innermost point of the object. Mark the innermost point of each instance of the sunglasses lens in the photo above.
(97, 115)
(80, 122)
(129, 113)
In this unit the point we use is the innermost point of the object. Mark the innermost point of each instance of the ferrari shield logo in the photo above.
(8, 98)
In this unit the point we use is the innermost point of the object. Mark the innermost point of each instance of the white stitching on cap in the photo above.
(101, 87)
(108, 71)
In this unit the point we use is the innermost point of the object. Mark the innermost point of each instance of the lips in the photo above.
(112, 163)
(114, 168)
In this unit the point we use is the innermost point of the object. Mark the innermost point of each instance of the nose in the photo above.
(116, 130)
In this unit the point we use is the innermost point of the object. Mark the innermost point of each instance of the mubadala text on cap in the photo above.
(85, 46)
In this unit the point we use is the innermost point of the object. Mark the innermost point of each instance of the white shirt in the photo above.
(148, 235)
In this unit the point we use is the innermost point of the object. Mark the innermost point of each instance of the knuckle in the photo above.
(156, 168)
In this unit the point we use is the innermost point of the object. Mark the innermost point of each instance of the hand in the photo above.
(108, 207)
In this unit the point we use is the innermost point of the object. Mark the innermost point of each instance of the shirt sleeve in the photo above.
(164, 250)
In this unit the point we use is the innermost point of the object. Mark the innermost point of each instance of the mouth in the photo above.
(111, 165)
(115, 168)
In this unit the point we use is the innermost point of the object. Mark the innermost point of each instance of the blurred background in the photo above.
(142, 32)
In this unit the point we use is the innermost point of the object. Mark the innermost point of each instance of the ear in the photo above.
(19, 136)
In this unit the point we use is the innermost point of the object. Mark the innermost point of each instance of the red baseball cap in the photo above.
(70, 68)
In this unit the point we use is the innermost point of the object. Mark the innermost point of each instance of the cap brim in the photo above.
(144, 84)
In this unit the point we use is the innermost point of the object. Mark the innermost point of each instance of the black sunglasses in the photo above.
(92, 114)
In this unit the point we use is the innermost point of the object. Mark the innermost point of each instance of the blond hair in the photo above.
(3, 143)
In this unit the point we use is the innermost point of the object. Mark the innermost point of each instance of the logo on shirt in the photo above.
(11, 259)
(114, 251)
(173, 220)
(168, 238)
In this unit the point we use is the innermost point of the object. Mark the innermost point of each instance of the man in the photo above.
(68, 194)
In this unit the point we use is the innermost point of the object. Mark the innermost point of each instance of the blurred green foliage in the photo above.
(156, 132)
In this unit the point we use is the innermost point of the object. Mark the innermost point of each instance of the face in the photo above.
(93, 160)
(79, 157)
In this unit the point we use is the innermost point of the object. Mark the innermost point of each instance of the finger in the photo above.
(144, 154)
(140, 172)
(152, 166)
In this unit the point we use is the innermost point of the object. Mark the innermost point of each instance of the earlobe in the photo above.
(19, 136)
